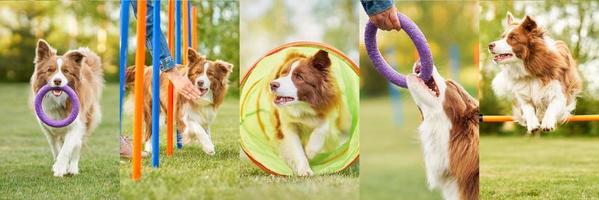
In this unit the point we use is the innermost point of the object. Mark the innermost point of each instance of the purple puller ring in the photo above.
(383, 67)
(39, 111)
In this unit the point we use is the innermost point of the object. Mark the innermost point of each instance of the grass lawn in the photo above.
(392, 166)
(539, 168)
(26, 160)
(192, 174)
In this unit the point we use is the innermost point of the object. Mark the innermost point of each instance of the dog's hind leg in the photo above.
(72, 141)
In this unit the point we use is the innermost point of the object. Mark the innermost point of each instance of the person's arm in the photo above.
(382, 14)
(167, 65)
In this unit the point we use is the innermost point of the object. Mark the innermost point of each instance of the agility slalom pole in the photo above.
(156, 85)
(124, 26)
(185, 30)
(178, 52)
(170, 99)
(505, 118)
(194, 28)
(188, 24)
(140, 57)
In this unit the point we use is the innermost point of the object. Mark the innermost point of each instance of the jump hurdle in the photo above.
(505, 118)
(174, 42)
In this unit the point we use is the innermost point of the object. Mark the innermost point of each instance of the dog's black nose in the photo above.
(201, 83)
(274, 85)
(491, 45)
(57, 81)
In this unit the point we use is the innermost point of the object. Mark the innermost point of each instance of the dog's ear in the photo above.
(321, 60)
(43, 51)
(223, 66)
(509, 19)
(194, 57)
(75, 56)
(529, 24)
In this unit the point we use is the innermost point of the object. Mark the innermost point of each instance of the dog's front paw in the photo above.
(304, 171)
(73, 168)
(59, 169)
(532, 126)
(311, 153)
(209, 149)
(547, 126)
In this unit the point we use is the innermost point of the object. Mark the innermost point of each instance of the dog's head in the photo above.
(304, 79)
(210, 77)
(439, 94)
(56, 70)
(517, 41)
(428, 95)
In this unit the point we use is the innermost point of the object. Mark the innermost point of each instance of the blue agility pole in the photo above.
(156, 85)
(188, 24)
(123, 58)
(178, 56)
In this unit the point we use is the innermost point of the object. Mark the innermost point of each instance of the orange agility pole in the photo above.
(170, 99)
(185, 29)
(140, 57)
(504, 118)
(194, 28)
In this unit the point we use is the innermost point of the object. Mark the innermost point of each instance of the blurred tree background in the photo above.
(452, 38)
(268, 24)
(95, 24)
(575, 23)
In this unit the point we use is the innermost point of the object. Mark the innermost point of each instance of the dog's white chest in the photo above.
(203, 115)
(434, 135)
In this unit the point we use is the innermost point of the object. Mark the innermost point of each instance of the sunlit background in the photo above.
(577, 24)
(95, 24)
(268, 24)
(392, 162)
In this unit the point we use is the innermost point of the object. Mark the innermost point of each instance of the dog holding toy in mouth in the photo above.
(449, 134)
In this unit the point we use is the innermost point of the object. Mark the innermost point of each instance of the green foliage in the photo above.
(551, 17)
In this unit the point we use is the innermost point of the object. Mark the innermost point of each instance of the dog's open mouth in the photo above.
(56, 92)
(432, 86)
(203, 91)
(502, 56)
(282, 100)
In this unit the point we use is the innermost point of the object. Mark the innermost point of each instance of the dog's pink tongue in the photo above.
(56, 92)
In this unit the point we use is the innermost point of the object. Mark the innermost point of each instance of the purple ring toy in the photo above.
(383, 67)
(56, 123)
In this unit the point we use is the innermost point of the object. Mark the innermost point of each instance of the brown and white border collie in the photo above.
(449, 134)
(193, 117)
(308, 108)
(538, 72)
(80, 69)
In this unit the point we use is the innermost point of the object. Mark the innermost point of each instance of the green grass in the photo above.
(539, 168)
(26, 160)
(392, 166)
(191, 174)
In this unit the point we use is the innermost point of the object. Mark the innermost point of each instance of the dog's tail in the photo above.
(129, 77)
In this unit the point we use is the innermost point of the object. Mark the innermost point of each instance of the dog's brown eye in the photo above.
(299, 77)
(51, 69)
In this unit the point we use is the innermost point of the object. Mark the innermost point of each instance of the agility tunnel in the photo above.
(256, 112)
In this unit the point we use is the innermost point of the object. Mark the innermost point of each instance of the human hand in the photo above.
(386, 20)
(183, 85)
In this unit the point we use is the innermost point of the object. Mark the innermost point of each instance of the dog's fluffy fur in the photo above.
(308, 108)
(449, 135)
(193, 117)
(538, 72)
(81, 69)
